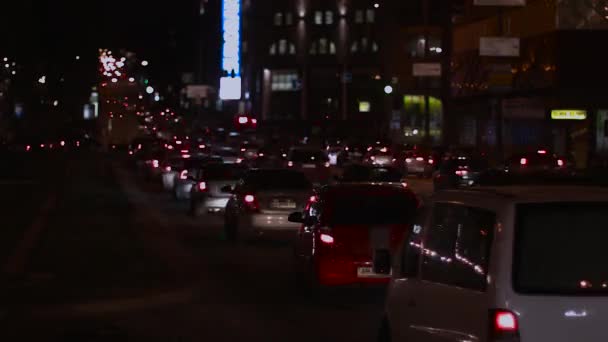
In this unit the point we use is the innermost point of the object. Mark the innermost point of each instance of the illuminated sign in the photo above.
(230, 83)
(364, 106)
(568, 114)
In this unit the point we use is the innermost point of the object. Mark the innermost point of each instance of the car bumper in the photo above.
(335, 272)
(272, 222)
(215, 203)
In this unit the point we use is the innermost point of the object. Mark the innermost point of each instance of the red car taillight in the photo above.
(183, 174)
(155, 163)
(503, 326)
(560, 163)
(326, 238)
(251, 202)
(202, 186)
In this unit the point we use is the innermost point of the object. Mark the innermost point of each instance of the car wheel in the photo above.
(384, 333)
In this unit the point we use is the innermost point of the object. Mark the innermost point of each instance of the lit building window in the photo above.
(329, 18)
(370, 16)
(278, 19)
(282, 47)
(318, 18)
(364, 45)
(323, 46)
(285, 80)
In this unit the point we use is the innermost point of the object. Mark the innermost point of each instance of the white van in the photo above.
(504, 264)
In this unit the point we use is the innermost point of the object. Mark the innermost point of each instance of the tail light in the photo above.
(183, 174)
(327, 164)
(408, 160)
(372, 158)
(62, 143)
(560, 162)
(202, 186)
(184, 151)
(431, 161)
(252, 202)
(239, 160)
(290, 163)
(28, 147)
(260, 154)
(201, 146)
(503, 326)
(326, 239)
(168, 168)
(462, 172)
(523, 161)
(541, 152)
(419, 159)
(243, 150)
(155, 163)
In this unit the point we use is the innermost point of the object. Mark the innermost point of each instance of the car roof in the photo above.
(531, 194)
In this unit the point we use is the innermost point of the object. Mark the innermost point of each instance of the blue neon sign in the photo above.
(230, 84)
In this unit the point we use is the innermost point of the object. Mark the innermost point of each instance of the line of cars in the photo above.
(479, 263)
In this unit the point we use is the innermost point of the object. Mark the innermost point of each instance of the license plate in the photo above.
(368, 272)
(283, 204)
(309, 166)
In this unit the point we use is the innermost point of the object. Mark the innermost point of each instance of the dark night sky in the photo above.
(47, 30)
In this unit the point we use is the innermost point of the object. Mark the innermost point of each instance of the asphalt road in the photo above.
(93, 253)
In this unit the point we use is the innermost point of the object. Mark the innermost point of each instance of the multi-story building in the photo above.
(538, 82)
(343, 65)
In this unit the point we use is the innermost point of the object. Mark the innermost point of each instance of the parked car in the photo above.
(262, 201)
(459, 172)
(207, 195)
(514, 263)
(539, 161)
(346, 227)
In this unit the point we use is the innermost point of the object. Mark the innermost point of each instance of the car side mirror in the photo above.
(296, 217)
(227, 189)
(382, 261)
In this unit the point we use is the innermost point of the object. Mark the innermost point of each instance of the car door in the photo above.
(452, 301)
(404, 287)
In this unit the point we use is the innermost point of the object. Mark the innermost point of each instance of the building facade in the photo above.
(538, 82)
(344, 66)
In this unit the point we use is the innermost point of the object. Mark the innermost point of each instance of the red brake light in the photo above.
(431, 161)
(312, 199)
(252, 202)
(249, 198)
(503, 326)
(461, 172)
(168, 168)
(419, 159)
(243, 120)
(155, 163)
(541, 152)
(290, 163)
(243, 149)
(202, 186)
(560, 163)
(523, 161)
(183, 174)
(327, 239)
(239, 160)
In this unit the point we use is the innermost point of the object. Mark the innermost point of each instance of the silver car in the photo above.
(262, 201)
(207, 195)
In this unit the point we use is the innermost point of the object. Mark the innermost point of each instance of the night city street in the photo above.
(304, 170)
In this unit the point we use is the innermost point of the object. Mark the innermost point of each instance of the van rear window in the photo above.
(560, 248)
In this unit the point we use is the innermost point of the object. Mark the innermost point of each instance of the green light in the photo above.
(146, 81)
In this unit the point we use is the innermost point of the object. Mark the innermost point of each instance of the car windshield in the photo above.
(372, 209)
(277, 180)
(560, 248)
(306, 156)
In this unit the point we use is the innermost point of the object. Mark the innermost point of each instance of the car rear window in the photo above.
(365, 174)
(560, 248)
(277, 180)
(223, 172)
(302, 156)
(378, 209)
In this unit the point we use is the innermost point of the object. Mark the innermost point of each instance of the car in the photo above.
(207, 195)
(420, 163)
(262, 201)
(459, 172)
(312, 162)
(227, 154)
(360, 173)
(539, 161)
(346, 227)
(380, 157)
(170, 169)
(249, 151)
(503, 263)
(186, 178)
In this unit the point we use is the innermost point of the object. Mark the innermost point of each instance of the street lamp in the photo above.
(388, 90)
(144, 63)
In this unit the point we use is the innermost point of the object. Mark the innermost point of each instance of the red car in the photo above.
(346, 228)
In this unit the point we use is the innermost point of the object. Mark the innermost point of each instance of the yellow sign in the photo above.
(568, 114)
(364, 106)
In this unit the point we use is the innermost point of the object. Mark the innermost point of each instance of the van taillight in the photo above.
(202, 186)
(183, 174)
(326, 239)
(503, 326)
